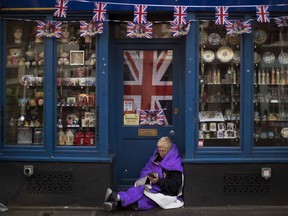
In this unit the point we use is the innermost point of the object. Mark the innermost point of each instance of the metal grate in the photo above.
(245, 184)
(50, 182)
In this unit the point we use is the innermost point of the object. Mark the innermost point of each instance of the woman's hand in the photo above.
(153, 177)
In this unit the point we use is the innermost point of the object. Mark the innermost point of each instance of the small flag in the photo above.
(140, 14)
(282, 21)
(50, 29)
(136, 30)
(180, 15)
(180, 29)
(151, 117)
(61, 8)
(99, 11)
(238, 27)
(262, 13)
(90, 29)
(221, 15)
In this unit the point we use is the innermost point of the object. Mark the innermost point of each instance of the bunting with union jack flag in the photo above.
(99, 11)
(282, 21)
(148, 80)
(140, 14)
(151, 117)
(262, 13)
(179, 30)
(90, 29)
(180, 15)
(221, 15)
(50, 29)
(237, 27)
(61, 8)
(136, 30)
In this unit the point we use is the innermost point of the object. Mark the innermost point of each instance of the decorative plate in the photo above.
(214, 39)
(269, 57)
(234, 39)
(208, 55)
(257, 58)
(260, 36)
(284, 132)
(236, 57)
(283, 58)
(203, 38)
(224, 54)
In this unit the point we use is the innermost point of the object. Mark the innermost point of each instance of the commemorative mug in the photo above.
(203, 126)
(201, 134)
(212, 126)
(231, 126)
(221, 126)
(221, 134)
(231, 134)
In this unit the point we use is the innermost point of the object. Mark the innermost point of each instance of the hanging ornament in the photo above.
(99, 11)
(282, 21)
(140, 14)
(262, 13)
(221, 15)
(136, 30)
(238, 27)
(61, 8)
(180, 29)
(90, 29)
(50, 29)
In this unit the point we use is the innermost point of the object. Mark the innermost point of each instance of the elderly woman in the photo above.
(160, 183)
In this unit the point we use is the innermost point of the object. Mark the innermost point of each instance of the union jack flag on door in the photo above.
(148, 80)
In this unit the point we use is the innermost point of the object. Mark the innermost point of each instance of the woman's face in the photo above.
(65, 31)
(18, 33)
(163, 150)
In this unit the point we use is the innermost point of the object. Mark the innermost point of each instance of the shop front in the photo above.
(83, 103)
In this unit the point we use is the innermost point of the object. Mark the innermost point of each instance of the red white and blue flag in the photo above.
(180, 15)
(136, 30)
(180, 29)
(262, 13)
(90, 29)
(99, 11)
(221, 15)
(282, 21)
(140, 14)
(148, 80)
(61, 8)
(152, 117)
(50, 29)
(238, 27)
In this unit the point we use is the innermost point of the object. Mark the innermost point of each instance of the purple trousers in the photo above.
(135, 195)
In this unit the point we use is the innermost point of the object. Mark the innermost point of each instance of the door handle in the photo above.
(176, 110)
(172, 133)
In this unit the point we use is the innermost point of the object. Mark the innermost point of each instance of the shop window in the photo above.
(219, 88)
(76, 88)
(270, 84)
(24, 85)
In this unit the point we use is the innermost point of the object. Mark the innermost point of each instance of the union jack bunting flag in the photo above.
(151, 117)
(49, 29)
(221, 15)
(90, 29)
(99, 11)
(140, 14)
(238, 27)
(262, 13)
(282, 21)
(61, 8)
(180, 29)
(180, 15)
(135, 30)
(148, 80)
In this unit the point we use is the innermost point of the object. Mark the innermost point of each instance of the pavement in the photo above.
(185, 211)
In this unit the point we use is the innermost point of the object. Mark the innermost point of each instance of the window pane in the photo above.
(148, 87)
(219, 106)
(24, 84)
(270, 85)
(76, 88)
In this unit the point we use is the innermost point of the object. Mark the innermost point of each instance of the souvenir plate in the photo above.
(269, 57)
(208, 55)
(224, 54)
(203, 38)
(260, 36)
(236, 57)
(284, 132)
(234, 39)
(283, 58)
(214, 39)
(257, 58)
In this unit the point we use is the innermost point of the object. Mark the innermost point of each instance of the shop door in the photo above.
(148, 95)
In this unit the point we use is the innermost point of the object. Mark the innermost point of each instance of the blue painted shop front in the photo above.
(221, 167)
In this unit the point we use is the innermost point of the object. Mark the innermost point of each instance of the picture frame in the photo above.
(76, 57)
(24, 136)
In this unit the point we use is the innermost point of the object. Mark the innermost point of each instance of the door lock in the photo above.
(172, 133)
(176, 110)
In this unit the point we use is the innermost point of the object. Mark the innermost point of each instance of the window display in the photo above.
(76, 88)
(270, 85)
(24, 85)
(219, 89)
